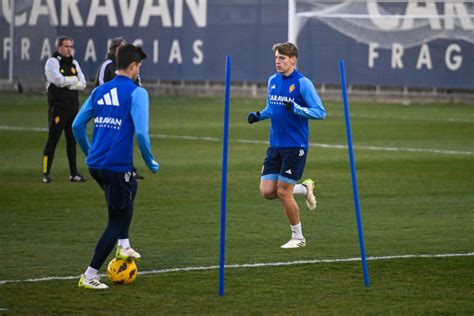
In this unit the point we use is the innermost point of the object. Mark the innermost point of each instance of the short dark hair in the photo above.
(128, 54)
(60, 39)
(287, 49)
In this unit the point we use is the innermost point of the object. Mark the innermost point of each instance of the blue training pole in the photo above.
(353, 173)
(224, 173)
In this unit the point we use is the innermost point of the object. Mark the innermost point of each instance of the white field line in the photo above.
(254, 265)
(250, 141)
(331, 146)
(404, 118)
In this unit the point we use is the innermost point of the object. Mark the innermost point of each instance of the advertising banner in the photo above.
(414, 44)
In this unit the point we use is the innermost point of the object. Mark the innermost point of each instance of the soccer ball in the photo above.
(122, 271)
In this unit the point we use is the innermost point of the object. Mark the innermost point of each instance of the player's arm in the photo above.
(140, 117)
(53, 75)
(79, 126)
(315, 109)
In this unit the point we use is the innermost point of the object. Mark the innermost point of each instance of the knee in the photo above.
(268, 194)
(283, 193)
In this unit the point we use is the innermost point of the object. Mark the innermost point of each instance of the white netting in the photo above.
(408, 24)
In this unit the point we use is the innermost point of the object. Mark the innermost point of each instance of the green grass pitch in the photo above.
(415, 168)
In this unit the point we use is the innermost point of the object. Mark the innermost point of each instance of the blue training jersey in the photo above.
(291, 129)
(120, 110)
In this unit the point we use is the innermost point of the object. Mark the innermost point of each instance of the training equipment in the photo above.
(77, 178)
(92, 284)
(225, 141)
(353, 172)
(288, 106)
(122, 271)
(294, 243)
(310, 197)
(126, 253)
(253, 117)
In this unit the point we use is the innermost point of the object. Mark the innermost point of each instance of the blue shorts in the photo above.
(284, 164)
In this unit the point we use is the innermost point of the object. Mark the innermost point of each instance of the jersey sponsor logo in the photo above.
(107, 122)
(280, 98)
(292, 87)
(110, 98)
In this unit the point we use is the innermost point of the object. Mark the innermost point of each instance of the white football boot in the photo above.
(310, 198)
(126, 253)
(294, 243)
(92, 284)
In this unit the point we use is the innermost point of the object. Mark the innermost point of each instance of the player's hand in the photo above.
(289, 106)
(253, 117)
(154, 166)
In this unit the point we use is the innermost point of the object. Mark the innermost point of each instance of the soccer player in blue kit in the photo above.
(120, 110)
(292, 100)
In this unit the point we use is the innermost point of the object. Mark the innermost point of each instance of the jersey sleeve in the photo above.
(79, 126)
(140, 116)
(315, 109)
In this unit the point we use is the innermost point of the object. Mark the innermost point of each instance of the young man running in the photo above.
(291, 101)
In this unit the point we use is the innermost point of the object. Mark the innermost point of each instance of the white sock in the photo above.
(296, 231)
(91, 273)
(300, 189)
(124, 243)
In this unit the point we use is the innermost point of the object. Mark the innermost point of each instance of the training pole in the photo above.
(224, 173)
(353, 173)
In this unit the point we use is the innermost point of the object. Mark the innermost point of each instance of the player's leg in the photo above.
(56, 125)
(285, 194)
(124, 250)
(269, 176)
(293, 161)
(117, 192)
(71, 150)
(306, 188)
(268, 188)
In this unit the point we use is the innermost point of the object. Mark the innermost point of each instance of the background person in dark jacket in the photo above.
(64, 79)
